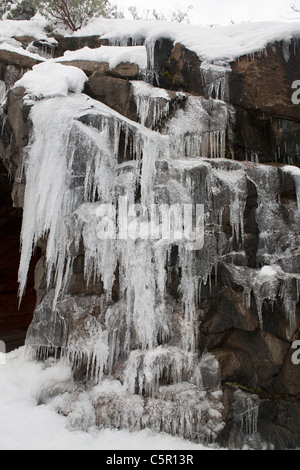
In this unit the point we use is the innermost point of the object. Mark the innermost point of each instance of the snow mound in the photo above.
(49, 79)
(33, 28)
(31, 394)
(112, 54)
(269, 272)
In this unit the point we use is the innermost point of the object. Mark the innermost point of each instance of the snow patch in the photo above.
(12, 47)
(224, 43)
(269, 271)
(111, 54)
(48, 80)
(31, 394)
(32, 28)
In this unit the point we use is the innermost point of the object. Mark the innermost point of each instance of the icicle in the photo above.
(215, 80)
(295, 173)
(247, 409)
(286, 50)
(150, 73)
(152, 103)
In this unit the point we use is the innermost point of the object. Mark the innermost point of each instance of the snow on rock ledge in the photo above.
(47, 80)
(112, 54)
(211, 44)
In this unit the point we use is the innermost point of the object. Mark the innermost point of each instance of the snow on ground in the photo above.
(29, 420)
(211, 44)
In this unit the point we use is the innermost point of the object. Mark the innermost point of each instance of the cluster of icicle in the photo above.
(246, 410)
(73, 166)
(83, 155)
(179, 409)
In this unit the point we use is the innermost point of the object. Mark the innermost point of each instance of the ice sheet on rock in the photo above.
(180, 409)
(46, 49)
(83, 155)
(64, 180)
(146, 369)
(199, 129)
(295, 172)
(152, 103)
(2, 92)
(52, 333)
(215, 80)
(268, 283)
(276, 242)
(246, 407)
(232, 185)
(184, 410)
(91, 347)
(150, 372)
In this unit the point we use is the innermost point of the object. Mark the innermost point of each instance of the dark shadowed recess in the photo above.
(14, 321)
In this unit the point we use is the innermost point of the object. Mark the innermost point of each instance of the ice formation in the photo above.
(2, 92)
(95, 182)
(152, 103)
(215, 80)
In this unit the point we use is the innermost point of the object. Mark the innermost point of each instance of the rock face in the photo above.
(193, 340)
(13, 66)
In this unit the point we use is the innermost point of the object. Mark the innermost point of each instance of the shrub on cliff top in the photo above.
(75, 13)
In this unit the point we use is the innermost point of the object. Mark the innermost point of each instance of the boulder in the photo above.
(263, 81)
(114, 92)
(251, 358)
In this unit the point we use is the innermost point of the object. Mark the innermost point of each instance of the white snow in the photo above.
(51, 199)
(11, 41)
(226, 42)
(33, 28)
(211, 44)
(293, 170)
(145, 89)
(49, 79)
(269, 271)
(7, 46)
(112, 55)
(30, 393)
